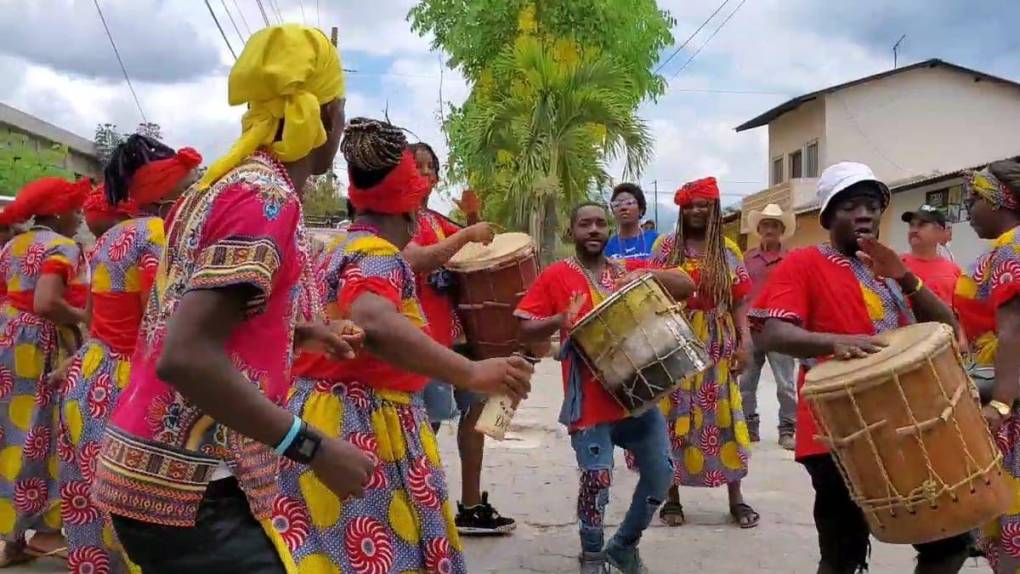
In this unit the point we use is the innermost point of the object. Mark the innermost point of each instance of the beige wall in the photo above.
(966, 245)
(794, 130)
(921, 122)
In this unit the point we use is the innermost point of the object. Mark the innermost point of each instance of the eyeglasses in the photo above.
(624, 203)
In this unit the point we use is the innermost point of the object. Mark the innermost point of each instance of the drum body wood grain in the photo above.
(639, 344)
(491, 280)
(909, 437)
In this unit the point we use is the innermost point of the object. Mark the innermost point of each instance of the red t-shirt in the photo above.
(939, 275)
(438, 307)
(823, 291)
(549, 296)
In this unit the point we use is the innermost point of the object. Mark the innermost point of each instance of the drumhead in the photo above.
(908, 346)
(504, 247)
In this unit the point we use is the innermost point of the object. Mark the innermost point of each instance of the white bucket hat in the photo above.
(773, 211)
(837, 178)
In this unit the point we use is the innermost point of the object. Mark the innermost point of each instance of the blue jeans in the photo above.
(645, 437)
(443, 402)
(786, 389)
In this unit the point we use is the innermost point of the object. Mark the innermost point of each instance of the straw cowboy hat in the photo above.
(773, 211)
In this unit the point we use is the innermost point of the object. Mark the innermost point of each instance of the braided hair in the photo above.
(372, 148)
(136, 151)
(715, 282)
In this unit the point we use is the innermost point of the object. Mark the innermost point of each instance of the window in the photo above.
(777, 171)
(796, 164)
(949, 201)
(812, 160)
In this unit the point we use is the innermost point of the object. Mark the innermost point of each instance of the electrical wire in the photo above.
(691, 37)
(262, 9)
(318, 15)
(123, 69)
(302, 6)
(244, 20)
(702, 47)
(232, 22)
(276, 8)
(220, 28)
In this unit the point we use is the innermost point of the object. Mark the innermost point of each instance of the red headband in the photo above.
(46, 196)
(705, 188)
(401, 191)
(98, 208)
(154, 180)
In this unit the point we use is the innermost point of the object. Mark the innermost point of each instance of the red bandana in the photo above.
(154, 180)
(401, 191)
(46, 196)
(98, 208)
(698, 189)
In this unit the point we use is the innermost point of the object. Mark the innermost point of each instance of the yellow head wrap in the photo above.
(284, 73)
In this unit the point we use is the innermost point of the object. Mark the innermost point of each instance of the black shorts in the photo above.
(843, 534)
(226, 539)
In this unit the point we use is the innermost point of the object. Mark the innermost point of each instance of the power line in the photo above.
(232, 23)
(276, 8)
(702, 47)
(220, 28)
(120, 61)
(691, 37)
(262, 9)
(318, 15)
(743, 92)
(302, 5)
(244, 20)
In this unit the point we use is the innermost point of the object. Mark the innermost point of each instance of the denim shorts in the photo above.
(443, 402)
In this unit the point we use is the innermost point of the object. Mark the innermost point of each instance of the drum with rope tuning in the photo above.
(906, 429)
(639, 344)
(491, 280)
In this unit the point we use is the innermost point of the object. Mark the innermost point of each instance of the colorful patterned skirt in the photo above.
(94, 380)
(404, 522)
(30, 349)
(1001, 538)
(708, 434)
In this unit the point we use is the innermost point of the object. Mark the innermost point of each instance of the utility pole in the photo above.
(655, 195)
(333, 35)
(896, 51)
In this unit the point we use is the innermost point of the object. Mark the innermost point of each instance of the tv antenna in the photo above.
(896, 51)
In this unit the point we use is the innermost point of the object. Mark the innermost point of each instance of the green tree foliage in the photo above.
(108, 138)
(322, 202)
(23, 159)
(537, 131)
(473, 32)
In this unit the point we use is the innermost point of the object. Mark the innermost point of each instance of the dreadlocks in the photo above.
(126, 159)
(372, 148)
(715, 282)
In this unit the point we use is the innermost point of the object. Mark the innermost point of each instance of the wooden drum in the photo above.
(639, 344)
(909, 437)
(491, 279)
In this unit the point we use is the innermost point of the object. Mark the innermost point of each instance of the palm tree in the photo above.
(539, 129)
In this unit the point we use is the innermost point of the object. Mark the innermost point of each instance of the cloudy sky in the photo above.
(57, 64)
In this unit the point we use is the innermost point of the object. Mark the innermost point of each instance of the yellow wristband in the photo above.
(917, 288)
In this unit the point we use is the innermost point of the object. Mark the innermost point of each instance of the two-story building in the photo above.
(917, 127)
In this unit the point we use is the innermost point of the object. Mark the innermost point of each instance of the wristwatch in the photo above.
(1002, 408)
(304, 447)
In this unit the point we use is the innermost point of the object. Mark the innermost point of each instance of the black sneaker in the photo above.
(482, 519)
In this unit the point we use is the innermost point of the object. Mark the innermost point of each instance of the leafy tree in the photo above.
(150, 129)
(473, 32)
(537, 131)
(322, 202)
(107, 139)
(23, 159)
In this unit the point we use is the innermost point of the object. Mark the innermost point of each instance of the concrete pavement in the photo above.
(532, 477)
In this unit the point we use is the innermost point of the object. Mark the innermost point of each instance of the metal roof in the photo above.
(41, 128)
(795, 103)
(922, 180)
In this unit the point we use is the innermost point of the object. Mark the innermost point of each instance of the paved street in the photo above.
(532, 477)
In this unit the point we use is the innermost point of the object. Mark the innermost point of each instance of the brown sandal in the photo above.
(672, 514)
(744, 515)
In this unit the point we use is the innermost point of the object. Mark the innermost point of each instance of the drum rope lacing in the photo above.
(931, 488)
